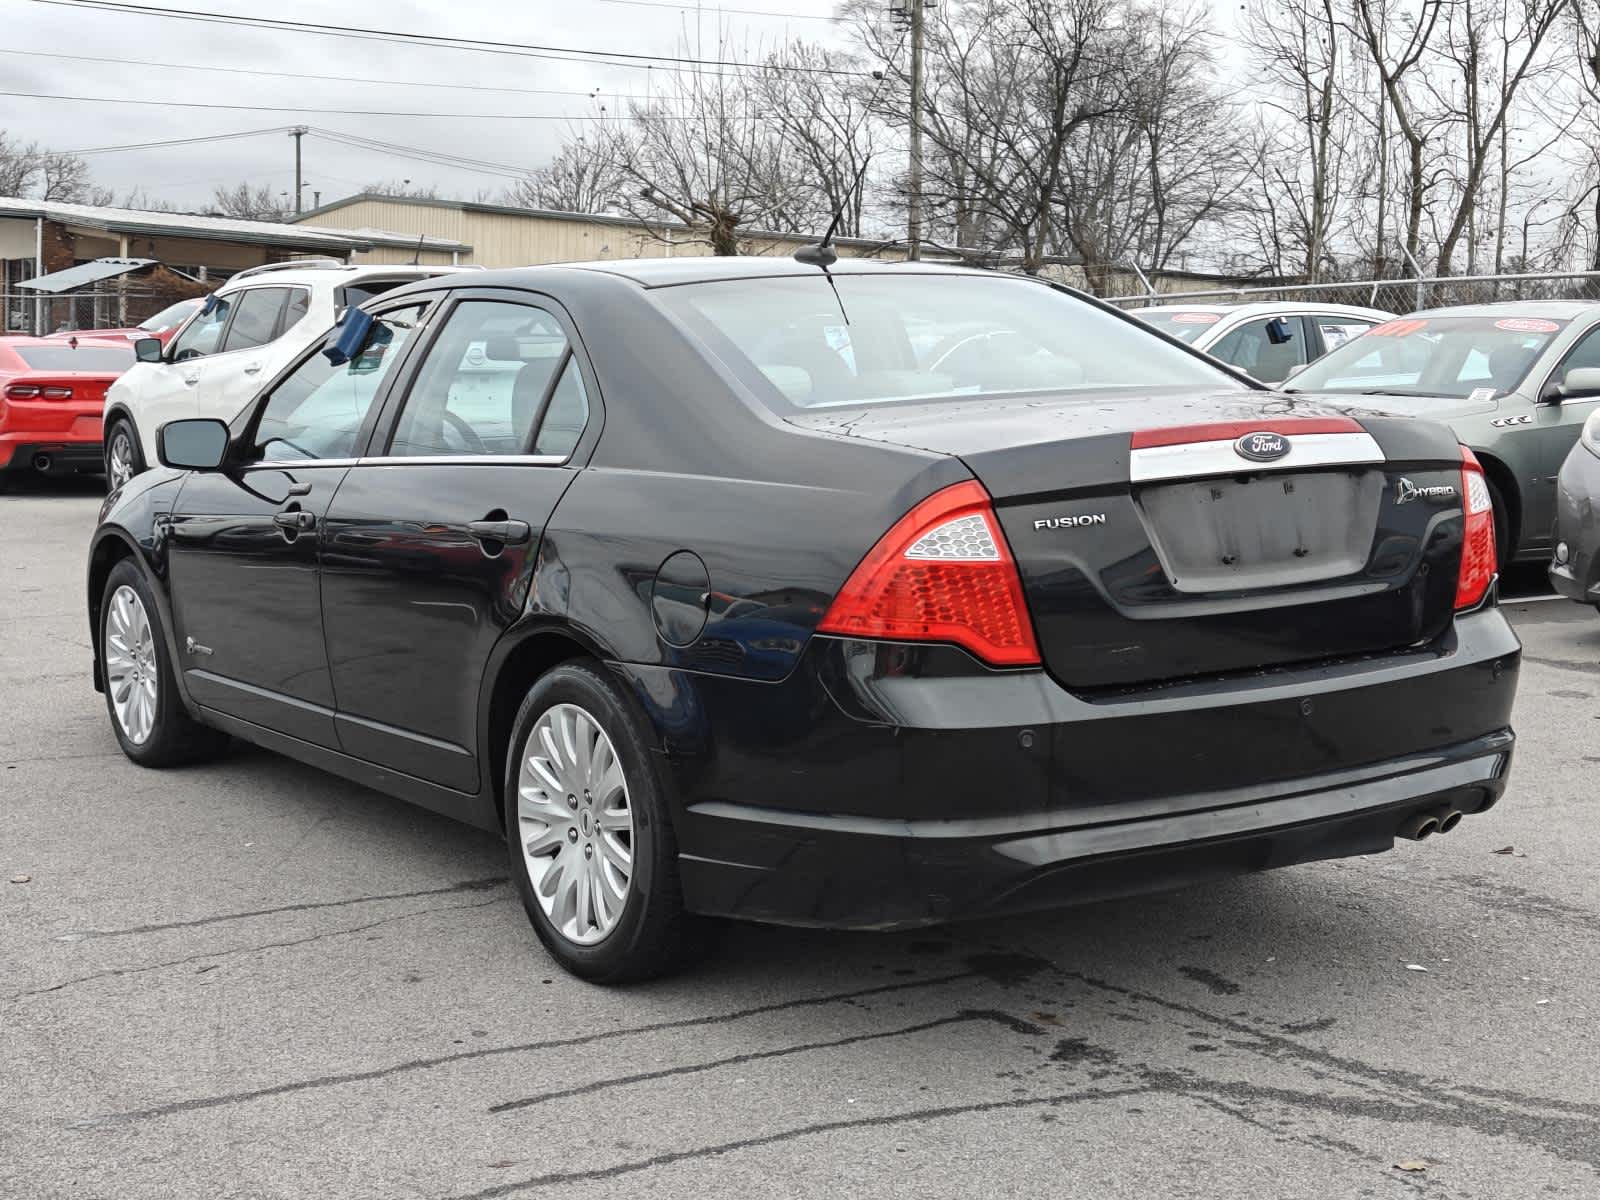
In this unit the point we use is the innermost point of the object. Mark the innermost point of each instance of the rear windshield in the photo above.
(356, 294)
(84, 358)
(908, 337)
(1433, 356)
(1185, 326)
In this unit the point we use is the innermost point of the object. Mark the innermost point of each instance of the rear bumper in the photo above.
(23, 454)
(862, 793)
(1578, 528)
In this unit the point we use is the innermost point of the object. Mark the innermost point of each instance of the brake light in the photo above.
(56, 393)
(22, 391)
(1478, 559)
(943, 573)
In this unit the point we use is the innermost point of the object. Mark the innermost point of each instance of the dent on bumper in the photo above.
(861, 792)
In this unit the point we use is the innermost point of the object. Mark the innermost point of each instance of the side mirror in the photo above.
(1279, 331)
(147, 349)
(1580, 381)
(193, 444)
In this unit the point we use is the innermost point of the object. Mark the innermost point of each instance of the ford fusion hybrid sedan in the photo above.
(866, 597)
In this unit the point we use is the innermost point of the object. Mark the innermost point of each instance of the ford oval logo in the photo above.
(1262, 447)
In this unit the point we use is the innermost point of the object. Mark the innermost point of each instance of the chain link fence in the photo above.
(25, 311)
(1393, 295)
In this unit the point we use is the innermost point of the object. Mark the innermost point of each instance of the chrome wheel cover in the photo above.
(131, 676)
(575, 823)
(120, 466)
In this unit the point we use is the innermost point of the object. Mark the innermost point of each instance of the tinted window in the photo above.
(1433, 356)
(317, 411)
(295, 309)
(203, 332)
(355, 294)
(1251, 348)
(481, 386)
(256, 321)
(1584, 356)
(924, 337)
(567, 414)
(84, 358)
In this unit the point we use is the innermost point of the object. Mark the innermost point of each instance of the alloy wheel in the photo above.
(121, 458)
(131, 674)
(575, 823)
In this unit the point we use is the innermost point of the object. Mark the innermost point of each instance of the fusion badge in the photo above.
(1262, 447)
(1070, 522)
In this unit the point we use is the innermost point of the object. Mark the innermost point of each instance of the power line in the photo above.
(611, 58)
(166, 66)
(337, 112)
(188, 141)
(719, 9)
(431, 157)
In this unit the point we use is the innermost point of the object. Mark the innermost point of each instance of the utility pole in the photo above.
(914, 200)
(298, 132)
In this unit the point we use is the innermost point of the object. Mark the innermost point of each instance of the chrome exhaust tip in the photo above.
(1448, 818)
(1418, 826)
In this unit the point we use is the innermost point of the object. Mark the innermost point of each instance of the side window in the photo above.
(295, 309)
(1584, 356)
(483, 383)
(203, 333)
(256, 321)
(566, 415)
(1250, 349)
(1336, 330)
(317, 411)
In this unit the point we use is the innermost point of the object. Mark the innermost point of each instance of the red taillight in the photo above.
(22, 391)
(55, 392)
(943, 573)
(1478, 559)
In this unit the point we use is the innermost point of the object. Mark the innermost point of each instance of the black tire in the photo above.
(122, 428)
(653, 934)
(174, 737)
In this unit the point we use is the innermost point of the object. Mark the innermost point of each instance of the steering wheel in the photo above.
(468, 434)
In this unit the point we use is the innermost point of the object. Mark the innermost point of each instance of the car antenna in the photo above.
(416, 255)
(822, 254)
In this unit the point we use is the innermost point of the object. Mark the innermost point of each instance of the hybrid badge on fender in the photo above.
(1262, 447)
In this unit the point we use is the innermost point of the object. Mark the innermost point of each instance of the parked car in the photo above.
(241, 335)
(1575, 560)
(163, 326)
(737, 606)
(1514, 380)
(51, 395)
(1269, 341)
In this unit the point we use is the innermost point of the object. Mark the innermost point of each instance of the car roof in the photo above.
(1555, 310)
(339, 276)
(669, 272)
(1264, 308)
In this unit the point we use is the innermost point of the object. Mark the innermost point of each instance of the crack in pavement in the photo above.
(466, 885)
(1015, 1024)
(118, 972)
(672, 1157)
(419, 1064)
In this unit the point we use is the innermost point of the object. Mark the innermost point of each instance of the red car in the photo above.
(52, 391)
(164, 325)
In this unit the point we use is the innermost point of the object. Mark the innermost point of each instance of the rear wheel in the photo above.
(590, 839)
(123, 459)
(147, 714)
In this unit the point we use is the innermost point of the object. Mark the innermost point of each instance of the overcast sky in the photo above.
(187, 174)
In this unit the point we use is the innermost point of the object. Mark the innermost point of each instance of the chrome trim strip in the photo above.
(426, 460)
(1191, 460)
(283, 463)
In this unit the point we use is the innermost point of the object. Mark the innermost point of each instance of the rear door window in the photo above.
(255, 319)
(295, 309)
(1251, 348)
(484, 382)
(565, 415)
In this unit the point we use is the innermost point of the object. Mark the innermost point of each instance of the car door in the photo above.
(170, 390)
(431, 541)
(243, 542)
(1250, 348)
(242, 363)
(1556, 425)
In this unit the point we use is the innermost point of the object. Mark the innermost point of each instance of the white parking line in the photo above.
(1534, 599)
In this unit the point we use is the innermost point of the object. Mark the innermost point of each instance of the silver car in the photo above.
(1268, 340)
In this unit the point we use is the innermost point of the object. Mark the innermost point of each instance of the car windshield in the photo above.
(173, 314)
(1478, 356)
(1184, 324)
(80, 358)
(922, 337)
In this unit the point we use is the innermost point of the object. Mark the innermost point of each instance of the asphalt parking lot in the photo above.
(250, 979)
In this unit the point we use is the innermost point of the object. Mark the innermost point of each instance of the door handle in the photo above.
(295, 521)
(252, 368)
(507, 533)
(191, 380)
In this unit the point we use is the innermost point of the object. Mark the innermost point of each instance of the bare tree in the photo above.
(31, 170)
(583, 177)
(251, 202)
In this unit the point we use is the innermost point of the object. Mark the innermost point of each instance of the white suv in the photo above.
(250, 329)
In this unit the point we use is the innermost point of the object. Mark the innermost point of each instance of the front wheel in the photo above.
(1504, 551)
(590, 839)
(123, 458)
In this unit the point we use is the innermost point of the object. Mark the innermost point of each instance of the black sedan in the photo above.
(868, 597)
(1575, 563)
